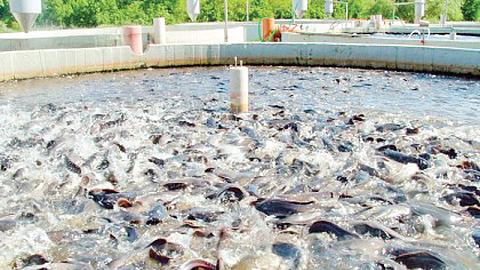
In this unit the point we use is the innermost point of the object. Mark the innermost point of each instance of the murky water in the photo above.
(332, 169)
(416, 95)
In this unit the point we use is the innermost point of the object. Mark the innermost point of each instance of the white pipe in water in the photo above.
(453, 35)
(239, 88)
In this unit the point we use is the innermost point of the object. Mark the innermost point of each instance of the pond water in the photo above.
(332, 169)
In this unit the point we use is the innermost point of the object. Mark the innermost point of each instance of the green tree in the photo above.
(260, 9)
(359, 8)
(211, 10)
(383, 7)
(316, 9)
(471, 10)
(434, 8)
(91, 13)
(281, 9)
(6, 19)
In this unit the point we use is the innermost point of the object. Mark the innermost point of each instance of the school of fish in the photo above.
(148, 169)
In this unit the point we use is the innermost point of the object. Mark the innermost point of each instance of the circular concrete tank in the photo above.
(26, 12)
(193, 9)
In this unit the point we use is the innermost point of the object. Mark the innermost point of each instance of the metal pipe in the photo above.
(346, 13)
(225, 7)
(329, 10)
(248, 10)
(445, 14)
(294, 13)
(416, 31)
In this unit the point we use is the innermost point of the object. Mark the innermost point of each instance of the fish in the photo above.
(113, 123)
(73, 164)
(389, 127)
(476, 238)
(473, 211)
(61, 266)
(442, 215)
(35, 259)
(7, 224)
(323, 226)
(198, 264)
(146, 170)
(405, 159)
(364, 228)
(107, 198)
(156, 214)
(463, 199)
(288, 252)
(259, 262)
(159, 162)
(421, 260)
(279, 208)
(230, 193)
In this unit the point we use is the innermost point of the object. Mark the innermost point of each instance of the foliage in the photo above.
(471, 10)
(435, 8)
(383, 7)
(90, 13)
(316, 9)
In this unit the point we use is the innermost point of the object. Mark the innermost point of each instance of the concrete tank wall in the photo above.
(235, 34)
(43, 63)
(40, 63)
(342, 38)
(204, 33)
(109, 37)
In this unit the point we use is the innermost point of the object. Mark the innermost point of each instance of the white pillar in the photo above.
(299, 7)
(239, 89)
(248, 10)
(443, 19)
(225, 10)
(329, 7)
(193, 9)
(444, 16)
(159, 31)
(453, 35)
(419, 10)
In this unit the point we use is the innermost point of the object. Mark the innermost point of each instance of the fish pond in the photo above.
(331, 169)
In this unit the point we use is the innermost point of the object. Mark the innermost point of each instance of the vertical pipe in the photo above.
(132, 36)
(453, 35)
(419, 10)
(248, 10)
(294, 10)
(225, 7)
(346, 12)
(239, 89)
(268, 26)
(445, 14)
(159, 31)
